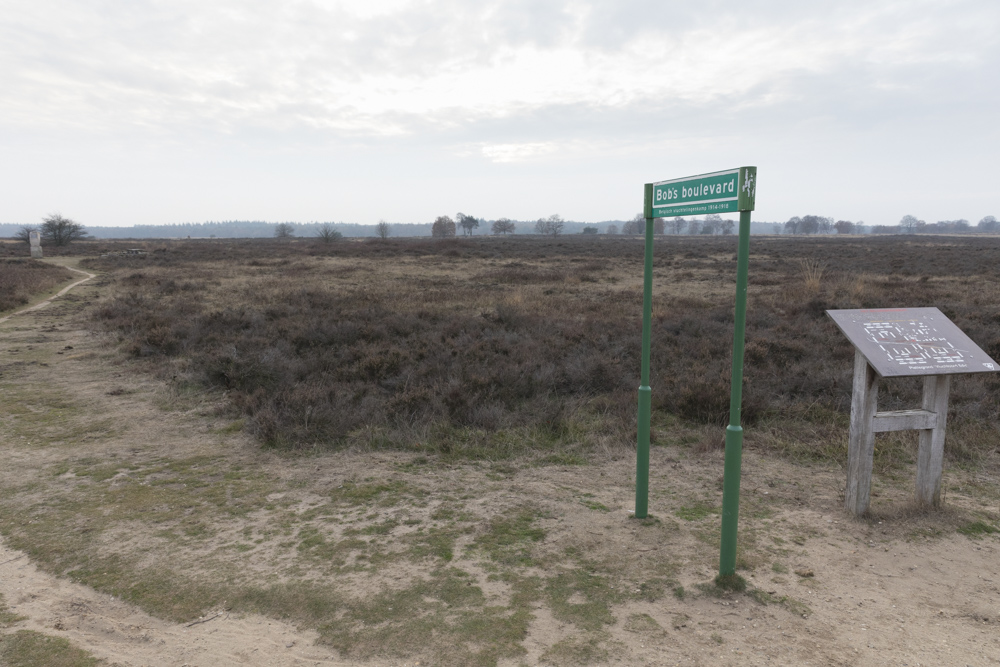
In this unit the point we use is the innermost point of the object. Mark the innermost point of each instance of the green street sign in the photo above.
(718, 192)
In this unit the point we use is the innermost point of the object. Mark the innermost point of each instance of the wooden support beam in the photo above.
(861, 444)
(930, 455)
(904, 420)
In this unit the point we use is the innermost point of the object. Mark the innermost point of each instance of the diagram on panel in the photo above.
(913, 343)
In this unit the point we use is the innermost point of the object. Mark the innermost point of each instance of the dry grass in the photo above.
(20, 279)
(497, 347)
(412, 555)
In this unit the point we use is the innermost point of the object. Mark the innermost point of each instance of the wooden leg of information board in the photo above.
(861, 445)
(930, 456)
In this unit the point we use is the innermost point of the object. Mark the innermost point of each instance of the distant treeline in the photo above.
(260, 229)
(817, 224)
(710, 225)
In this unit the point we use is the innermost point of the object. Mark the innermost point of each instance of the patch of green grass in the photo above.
(380, 528)
(508, 541)
(594, 505)
(445, 614)
(731, 582)
(643, 624)
(314, 545)
(47, 416)
(976, 529)
(779, 568)
(100, 473)
(7, 617)
(444, 513)
(383, 494)
(654, 589)
(679, 592)
(647, 521)
(436, 543)
(582, 598)
(697, 511)
(27, 648)
(413, 464)
(562, 459)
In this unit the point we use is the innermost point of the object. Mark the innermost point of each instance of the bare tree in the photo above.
(382, 229)
(284, 230)
(712, 224)
(551, 225)
(24, 234)
(793, 224)
(443, 227)
(677, 225)
(59, 231)
(815, 224)
(659, 226)
(611, 230)
(637, 225)
(327, 234)
(727, 227)
(467, 223)
(909, 223)
(503, 226)
(988, 224)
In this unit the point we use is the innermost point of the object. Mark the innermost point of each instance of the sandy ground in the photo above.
(875, 592)
(124, 635)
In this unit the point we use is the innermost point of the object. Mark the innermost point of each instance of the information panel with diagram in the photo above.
(912, 341)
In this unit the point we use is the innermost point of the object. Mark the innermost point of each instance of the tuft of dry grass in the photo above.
(812, 274)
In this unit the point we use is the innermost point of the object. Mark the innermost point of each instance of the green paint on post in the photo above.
(734, 432)
(645, 393)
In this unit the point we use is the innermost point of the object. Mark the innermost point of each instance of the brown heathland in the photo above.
(449, 448)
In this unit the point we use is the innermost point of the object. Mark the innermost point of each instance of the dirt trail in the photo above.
(870, 593)
(123, 634)
(64, 290)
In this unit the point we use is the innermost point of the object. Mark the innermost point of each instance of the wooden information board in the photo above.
(912, 341)
(895, 342)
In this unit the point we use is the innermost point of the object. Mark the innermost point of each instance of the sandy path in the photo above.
(64, 290)
(123, 634)
(878, 594)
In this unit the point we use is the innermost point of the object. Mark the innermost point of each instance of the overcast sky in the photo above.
(121, 112)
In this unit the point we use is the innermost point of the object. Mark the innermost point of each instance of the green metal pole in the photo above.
(645, 393)
(734, 432)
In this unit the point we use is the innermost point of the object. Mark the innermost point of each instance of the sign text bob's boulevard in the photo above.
(717, 192)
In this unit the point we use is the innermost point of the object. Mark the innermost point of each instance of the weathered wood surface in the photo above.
(861, 443)
(904, 420)
(930, 455)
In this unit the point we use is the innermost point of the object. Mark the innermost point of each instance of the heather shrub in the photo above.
(20, 279)
(327, 343)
